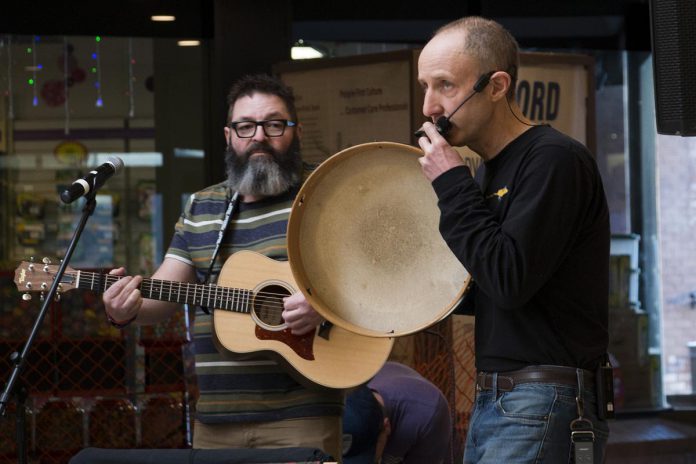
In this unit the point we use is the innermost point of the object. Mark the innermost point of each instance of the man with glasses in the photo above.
(252, 403)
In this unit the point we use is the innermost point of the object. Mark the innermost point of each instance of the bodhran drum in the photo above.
(364, 245)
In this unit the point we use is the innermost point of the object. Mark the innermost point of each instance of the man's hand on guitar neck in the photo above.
(122, 300)
(299, 315)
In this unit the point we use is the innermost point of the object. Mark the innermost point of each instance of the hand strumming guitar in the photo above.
(299, 315)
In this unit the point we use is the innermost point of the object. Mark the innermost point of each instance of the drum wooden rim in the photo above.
(354, 192)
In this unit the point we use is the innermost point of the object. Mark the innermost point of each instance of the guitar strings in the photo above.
(269, 300)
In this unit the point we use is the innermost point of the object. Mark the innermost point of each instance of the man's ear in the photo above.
(228, 133)
(500, 85)
(298, 130)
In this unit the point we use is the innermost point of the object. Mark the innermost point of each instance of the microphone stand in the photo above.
(19, 359)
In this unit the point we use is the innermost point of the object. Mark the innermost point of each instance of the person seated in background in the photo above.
(398, 417)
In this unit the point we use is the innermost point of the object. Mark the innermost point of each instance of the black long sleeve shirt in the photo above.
(533, 232)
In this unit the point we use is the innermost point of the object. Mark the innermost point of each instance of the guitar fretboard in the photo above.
(210, 296)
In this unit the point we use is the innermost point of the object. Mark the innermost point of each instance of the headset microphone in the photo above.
(443, 124)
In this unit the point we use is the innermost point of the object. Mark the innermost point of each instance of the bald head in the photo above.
(487, 42)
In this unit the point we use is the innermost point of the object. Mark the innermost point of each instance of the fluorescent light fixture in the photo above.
(305, 52)
(188, 43)
(33, 161)
(130, 159)
(188, 153)
(163, 18)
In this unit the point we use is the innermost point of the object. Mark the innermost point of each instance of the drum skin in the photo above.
(364, 245)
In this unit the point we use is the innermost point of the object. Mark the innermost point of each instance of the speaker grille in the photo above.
(674, 65)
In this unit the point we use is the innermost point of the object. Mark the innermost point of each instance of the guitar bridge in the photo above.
(325, 330)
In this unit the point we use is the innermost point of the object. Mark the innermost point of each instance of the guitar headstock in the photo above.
(31, 277)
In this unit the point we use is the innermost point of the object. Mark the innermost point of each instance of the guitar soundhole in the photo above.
(268, 304)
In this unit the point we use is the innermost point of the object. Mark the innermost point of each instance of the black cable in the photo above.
(516, 117)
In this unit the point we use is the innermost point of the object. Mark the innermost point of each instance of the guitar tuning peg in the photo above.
(46, 260)
(26, 296)
(57, 297)
(42, 297)
(31, 259)
(44, 286)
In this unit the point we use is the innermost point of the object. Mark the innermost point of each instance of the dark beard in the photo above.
(264, 176)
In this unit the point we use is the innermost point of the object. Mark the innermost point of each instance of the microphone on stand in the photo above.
(443, 124)
(92, 181)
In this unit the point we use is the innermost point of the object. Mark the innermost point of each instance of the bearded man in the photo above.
(252, 403)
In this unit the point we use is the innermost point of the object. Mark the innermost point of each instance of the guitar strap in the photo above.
(231, 205)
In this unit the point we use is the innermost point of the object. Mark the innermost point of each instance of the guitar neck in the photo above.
(210, 296)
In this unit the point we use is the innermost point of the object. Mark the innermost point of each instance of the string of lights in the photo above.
(131, 80)
(66, 71)
(33, 81)
(96, 69)
(10, 93)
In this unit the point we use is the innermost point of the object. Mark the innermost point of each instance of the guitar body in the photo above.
(333, 357)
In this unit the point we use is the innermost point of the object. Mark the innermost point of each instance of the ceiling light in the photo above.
(188, 43)
(163, 18)
(303, 51)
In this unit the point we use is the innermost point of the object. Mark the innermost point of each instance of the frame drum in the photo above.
(364, 245)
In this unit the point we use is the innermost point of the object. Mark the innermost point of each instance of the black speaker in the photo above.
(673, 27)
(202, 456)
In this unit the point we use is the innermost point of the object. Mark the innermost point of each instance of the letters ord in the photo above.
(539, 101)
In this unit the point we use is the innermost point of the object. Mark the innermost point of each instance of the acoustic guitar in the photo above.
(248, 302)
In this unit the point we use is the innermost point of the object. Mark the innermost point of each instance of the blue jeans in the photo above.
(529, 424)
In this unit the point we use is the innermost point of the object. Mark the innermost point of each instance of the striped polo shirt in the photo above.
(256, 389)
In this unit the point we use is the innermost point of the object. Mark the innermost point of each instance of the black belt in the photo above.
(534, 374)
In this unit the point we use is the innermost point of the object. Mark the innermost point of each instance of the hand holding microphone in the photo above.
(441, 157)
(93, 180)
(438, 155)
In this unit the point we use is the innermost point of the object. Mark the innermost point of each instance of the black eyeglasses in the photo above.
(271, 127)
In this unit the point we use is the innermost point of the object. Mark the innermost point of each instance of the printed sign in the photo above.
(349, 105)
(342, 102)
